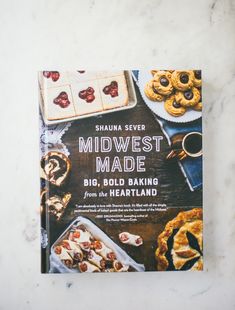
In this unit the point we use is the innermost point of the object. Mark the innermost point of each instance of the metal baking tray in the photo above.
(56, 266)
(132, 101)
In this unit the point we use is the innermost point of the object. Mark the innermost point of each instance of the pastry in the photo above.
(55, 168)
(87, 267)
(173, 107)
(73, 250)
(96, 259)
(86, 97)
(58, 103)
(63, 255)
(152, 93)
(101, 249)
(180, 244)
(182, 80)
(197, 78)
(55, 205)
(119, 267)
(114, 92)
(188, 98)
(127, 238)
(50, 79)
(162, 83)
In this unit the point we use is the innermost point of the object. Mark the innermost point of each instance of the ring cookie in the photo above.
(182, 80)
(197, 78)
(188, 98)
(152, 93)
(162, 83)
(174, 108)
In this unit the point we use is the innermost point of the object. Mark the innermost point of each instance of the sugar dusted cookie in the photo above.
(114, 92)
(86, 97)
(58, 103)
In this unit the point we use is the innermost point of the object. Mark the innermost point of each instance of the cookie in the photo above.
(174, 108)
(182, 80)
(152, 93)
(198, 106)
(188, 98)
(197, 78)
(162, 83)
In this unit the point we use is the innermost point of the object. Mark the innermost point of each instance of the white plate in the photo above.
(158, 107)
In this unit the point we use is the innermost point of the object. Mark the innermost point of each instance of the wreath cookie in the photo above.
(173, 107)
(162, 83)
(180, 244)
(188, 98)
(182, 80)
(198, 106)
(152, 93)
(197, 78)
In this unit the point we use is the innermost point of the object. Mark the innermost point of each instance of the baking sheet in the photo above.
(56, 266)
(132, 101)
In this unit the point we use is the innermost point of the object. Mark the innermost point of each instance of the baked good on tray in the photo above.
(66, 95)
(54, 204)
(80, 250)
(180, 244)
(180, 90)
(55, 167)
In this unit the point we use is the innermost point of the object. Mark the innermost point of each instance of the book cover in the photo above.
(121, 171)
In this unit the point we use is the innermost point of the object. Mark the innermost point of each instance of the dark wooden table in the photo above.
(173, 192)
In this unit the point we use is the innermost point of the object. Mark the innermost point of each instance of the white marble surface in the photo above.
(106, 34)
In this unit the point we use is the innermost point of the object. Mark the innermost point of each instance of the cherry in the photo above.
(106, 90)
(82, 94)
(114, 84)
(90, 98)
(90, 91)
(57, 100)
(64, 103)
(111, 89)
(113, 92)
(46, 74)
(55, 75)
(63, 95)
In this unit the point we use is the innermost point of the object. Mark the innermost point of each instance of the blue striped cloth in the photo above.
(191, 167)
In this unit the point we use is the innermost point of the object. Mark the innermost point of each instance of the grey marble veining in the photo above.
(114, 34)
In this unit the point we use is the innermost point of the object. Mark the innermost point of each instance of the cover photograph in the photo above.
(121, 162)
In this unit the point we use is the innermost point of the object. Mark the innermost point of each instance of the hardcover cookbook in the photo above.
(121, 170)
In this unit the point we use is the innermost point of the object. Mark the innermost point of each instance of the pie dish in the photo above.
(55, 168)
(180, 245)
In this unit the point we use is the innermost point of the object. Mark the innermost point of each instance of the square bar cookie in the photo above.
(58, 102)
(48, 79)
(113, 92)
(82, 76)
(86, 97)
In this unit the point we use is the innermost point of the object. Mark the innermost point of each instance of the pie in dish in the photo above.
(180, 245)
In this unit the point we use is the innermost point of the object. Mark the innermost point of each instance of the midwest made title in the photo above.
(119, 146)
